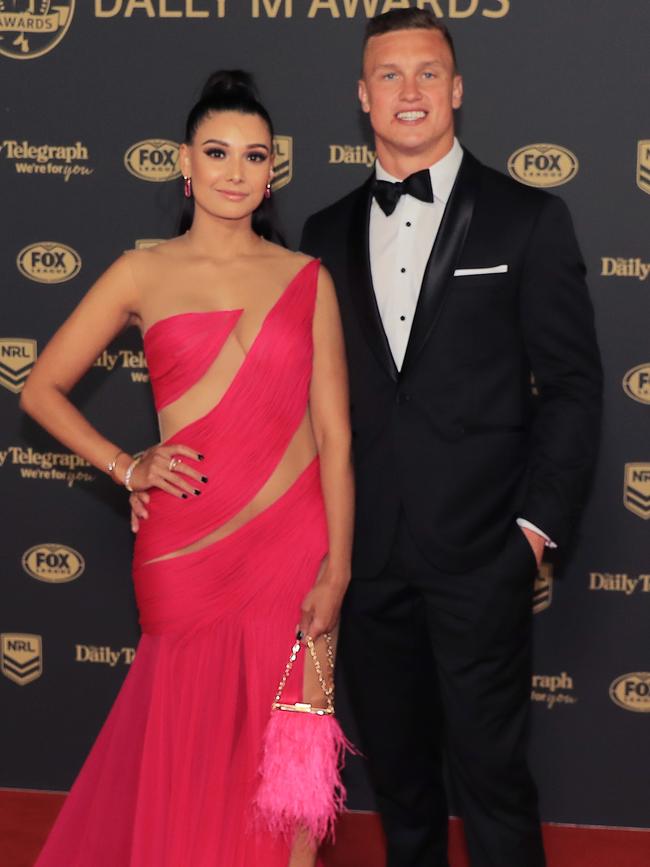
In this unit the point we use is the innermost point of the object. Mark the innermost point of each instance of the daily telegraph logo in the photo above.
(283, 161)
(636, 383)
(52, 563)
(553, 690)
(643, 166)
(48, 262)
(543, 165)
(126, 359)
(17, 357)
(632, 691)
(63, 161)
(21, 657)
(31, 28)
(611, 266)
(619, 582)
(352, 155)
(543, 589)
(153, 159)
(104, 655)
(636, 491)
(47, 466)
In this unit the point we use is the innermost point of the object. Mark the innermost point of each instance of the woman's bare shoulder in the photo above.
(149, 263)
(286, 261)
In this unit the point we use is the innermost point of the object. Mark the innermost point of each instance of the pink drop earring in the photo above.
(267, 191)
(187, 187)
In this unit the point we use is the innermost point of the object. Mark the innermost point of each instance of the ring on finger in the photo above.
(174, 462)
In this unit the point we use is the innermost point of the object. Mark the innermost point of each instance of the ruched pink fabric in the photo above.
(171, 777)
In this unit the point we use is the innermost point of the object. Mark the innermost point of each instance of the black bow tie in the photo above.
(388, 194)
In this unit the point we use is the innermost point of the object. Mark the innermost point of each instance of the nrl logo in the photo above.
(543, 589)
(636, 492)
(17, 357)
(643, 166)
(21, 657)
(283, 162)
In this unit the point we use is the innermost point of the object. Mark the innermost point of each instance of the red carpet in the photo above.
(25, 818)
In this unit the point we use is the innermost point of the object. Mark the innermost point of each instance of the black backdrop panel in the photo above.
(563, 85)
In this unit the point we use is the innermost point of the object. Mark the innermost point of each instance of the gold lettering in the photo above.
(501, 12)
(608, 266)
(272, 7)
(336, 154)
(455, 12)
(145, 5)
(101, 12)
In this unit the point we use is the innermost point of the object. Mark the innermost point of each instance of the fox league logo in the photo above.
(632, 691)
(53, 563)
(31, 28)
(543, 165)
(48, 262)
(153, 160)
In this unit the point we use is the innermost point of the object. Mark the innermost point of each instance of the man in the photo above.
(454, 287)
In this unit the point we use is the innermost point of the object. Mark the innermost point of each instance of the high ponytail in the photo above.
(231, 90)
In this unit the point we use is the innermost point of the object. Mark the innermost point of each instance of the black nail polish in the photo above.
(204, 478)
(299, 635)
(197, 492)
(184, 496)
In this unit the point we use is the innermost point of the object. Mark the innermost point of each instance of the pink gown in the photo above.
(170, 779)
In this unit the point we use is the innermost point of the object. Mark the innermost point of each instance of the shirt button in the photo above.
(403, 270)
(408, 224)
(402, 318)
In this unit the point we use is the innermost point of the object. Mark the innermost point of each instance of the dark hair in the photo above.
(407, 19)
(231, 90)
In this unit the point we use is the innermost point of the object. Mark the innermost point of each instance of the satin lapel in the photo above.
(360, 281)
(437, 280)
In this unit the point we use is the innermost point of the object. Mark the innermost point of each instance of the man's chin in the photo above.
(412, 145)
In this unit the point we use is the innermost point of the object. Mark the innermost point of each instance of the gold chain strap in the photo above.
(328, 690)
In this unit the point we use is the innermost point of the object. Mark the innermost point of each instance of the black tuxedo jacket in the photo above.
(456, 438)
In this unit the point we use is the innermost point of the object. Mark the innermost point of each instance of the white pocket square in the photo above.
(470, 272)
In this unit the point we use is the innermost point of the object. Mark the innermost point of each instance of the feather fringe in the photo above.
(300, 787)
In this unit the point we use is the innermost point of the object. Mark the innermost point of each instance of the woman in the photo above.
(250, 502)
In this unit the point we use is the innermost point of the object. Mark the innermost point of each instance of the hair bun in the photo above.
(230, 81)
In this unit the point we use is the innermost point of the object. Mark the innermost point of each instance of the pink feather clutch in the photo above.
(304, 747)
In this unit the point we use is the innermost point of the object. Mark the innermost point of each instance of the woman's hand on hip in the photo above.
(163, 467)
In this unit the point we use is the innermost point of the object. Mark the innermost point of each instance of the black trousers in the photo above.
(437, 661)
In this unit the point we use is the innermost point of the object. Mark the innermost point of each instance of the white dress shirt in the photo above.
(400, 245)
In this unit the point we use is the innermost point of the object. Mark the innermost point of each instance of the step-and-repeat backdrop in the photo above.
(94, 96)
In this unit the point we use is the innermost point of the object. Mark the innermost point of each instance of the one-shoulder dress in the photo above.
(171, 777)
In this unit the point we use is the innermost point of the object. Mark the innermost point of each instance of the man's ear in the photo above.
(457, 92)
(363, 96)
